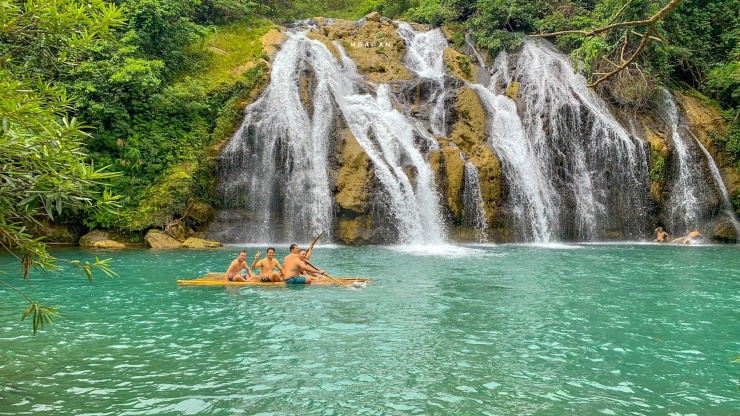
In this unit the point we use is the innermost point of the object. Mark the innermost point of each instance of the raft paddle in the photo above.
(337, 281)
(313, 243)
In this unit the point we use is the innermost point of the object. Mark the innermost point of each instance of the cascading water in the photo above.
(692, 195)
(579, 175)
(473, 202)
(424, 57)
(275, 167)
(530, 193)
(471, 45)
(424, 51)
(717, 178)
(570, 170)
(683, 205)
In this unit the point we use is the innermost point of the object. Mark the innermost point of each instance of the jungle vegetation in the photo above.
(111, 109)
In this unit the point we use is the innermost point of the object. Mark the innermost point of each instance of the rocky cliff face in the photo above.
(612, 177)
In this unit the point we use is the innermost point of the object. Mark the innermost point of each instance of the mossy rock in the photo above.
(357, 230)
(99, 239)
(354, 180)
(362, 44)
(199, 243)
(470, 128)
(459, 65)
(158, 239)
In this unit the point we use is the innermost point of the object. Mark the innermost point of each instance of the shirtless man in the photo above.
(689, 238)
(304, 256)
(233, 273)
(293, 266)
(661, 236)
(267, 267)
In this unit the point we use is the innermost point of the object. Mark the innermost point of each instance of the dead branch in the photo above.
(625, 64)
(651, 34)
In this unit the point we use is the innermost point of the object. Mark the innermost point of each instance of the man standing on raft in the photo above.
(233, 273)
(293, 266)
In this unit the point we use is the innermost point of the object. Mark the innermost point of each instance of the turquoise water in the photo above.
(480, 330)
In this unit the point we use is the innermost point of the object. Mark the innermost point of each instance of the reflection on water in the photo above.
(475, 329)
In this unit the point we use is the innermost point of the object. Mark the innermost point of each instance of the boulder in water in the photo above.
(200, 243)
(724, 231)
(158, 239)
(99, 239)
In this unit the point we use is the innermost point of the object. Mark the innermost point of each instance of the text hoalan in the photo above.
(370, 44)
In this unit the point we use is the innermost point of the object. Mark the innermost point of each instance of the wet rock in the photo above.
(373, 17)
(98, 239)
(200, 243)
(158, 239)
(53, 233)
(724, 231)
(354, 179)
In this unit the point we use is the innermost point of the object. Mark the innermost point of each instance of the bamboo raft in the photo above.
(217, 279)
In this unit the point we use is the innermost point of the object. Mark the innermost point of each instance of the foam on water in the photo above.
(436, 250)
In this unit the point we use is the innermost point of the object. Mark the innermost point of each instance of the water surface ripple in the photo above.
(480, 330)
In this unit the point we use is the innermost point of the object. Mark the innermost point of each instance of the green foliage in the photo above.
(724, 83)
(431, 12)
(162, 29)
(464, 64)
(224, 53)
(40, 315)
(209, 12)
(735, 198)
(43, 168)
(657, 172)
(729, 143)
(39, 38)
(500, 24)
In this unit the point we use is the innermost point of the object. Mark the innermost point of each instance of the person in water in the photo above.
(293, 266)
(690, 237)
(661, 236)
(233, 273)
(267, 267)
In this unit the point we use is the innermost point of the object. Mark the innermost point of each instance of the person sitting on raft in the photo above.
(304, 255)
(293, 266)
(233, 273)
(267, 267)
(661, 236)
(689, 238)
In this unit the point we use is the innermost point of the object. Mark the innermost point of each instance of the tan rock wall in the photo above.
(375, 47)
(459, 65)
(469, 134)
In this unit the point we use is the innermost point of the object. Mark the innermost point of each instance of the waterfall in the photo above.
(388, 139)
(423, 57)
(726, 204)
(569, 170)
(686, 203)
(469, 42)
(682, 206)
(473, 202)
(599, 170)
(423, 51)
(530, 194)
(573, 170)
(275, 166)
